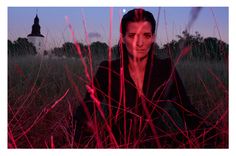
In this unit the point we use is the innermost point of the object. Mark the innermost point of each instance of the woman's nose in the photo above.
(139, 41)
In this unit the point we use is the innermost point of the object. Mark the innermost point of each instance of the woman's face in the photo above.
(138, 38)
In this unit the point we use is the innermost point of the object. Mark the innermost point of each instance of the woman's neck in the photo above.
(137, 71)
(137, 64)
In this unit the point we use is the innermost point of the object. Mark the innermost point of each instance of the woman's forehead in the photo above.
(142, 26)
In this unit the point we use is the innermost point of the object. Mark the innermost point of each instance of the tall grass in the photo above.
(34, 85)
(42, 97)
(206, 83)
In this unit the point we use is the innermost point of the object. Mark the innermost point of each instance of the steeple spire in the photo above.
(36, 27)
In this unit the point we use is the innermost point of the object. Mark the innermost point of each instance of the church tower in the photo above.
(36, 38)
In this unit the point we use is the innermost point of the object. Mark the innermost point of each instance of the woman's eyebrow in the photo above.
(132, 33)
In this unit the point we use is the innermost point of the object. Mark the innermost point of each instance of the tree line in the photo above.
(21, 47)
(209, 48)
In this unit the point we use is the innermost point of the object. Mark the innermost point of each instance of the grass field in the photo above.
(42, 97)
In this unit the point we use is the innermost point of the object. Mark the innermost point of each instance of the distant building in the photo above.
(36, 37)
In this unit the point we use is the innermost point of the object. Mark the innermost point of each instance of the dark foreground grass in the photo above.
(42, 98)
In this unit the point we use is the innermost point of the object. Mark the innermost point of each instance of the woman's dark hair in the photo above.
(137, 15)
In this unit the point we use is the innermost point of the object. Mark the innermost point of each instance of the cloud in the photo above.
(94, 35)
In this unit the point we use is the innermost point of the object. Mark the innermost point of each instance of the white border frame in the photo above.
(4, 4)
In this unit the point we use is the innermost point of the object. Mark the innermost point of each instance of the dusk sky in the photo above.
(55, 28)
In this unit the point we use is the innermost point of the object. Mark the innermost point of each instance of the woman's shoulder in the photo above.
(103, 68)
(165, 61)
(114, 64)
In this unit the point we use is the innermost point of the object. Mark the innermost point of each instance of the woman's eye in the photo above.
(148, 35)
(131, 35)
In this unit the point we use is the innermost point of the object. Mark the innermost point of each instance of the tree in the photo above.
(69, 49)
(99, 49)
(10, 48)
(21, 47)
(57, 52)
(201, 48)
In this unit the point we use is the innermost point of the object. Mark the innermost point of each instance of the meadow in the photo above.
(43, 94)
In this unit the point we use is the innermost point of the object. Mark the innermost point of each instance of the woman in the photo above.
(138, 100)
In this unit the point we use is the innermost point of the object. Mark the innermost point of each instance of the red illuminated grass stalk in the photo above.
(184, 52)
(92, 94)
(23, 132)
(217, 27)
(78, 50)
(89, 49)
(90, 79)
(52, 142)
(92, 89)
(12, 138)
(32, 89)
(109, 66)
(80, 99)
(122, 100)
(222, 50)
(221, 84)
(97, 102)
(42, 115)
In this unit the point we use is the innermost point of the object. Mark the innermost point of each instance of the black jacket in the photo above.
(163, 117)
